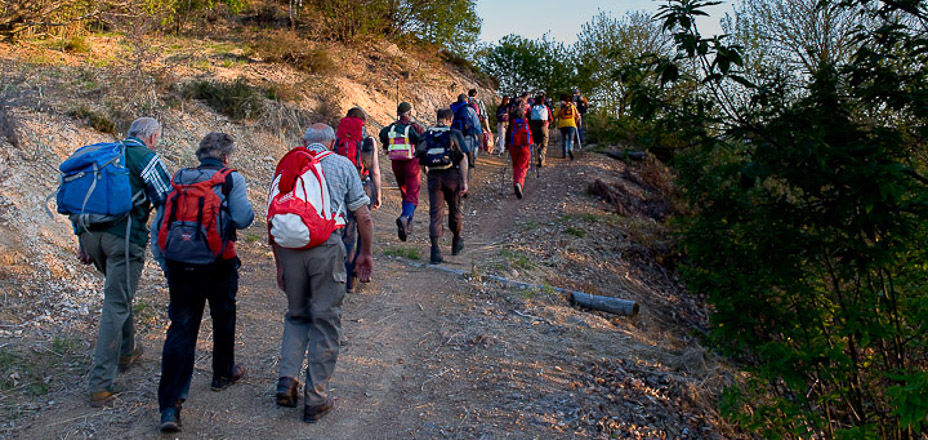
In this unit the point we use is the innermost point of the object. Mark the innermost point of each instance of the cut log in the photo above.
(617, 306)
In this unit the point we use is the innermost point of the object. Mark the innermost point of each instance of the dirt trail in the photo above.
(426, 354)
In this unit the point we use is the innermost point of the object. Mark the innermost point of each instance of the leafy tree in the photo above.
(605, 42)
(521, 64)
(794, 36)
(176, 12)
(451, 25)
(20, 16)
(812, 222)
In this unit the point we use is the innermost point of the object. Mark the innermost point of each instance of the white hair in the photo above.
(319, 136)
(144, 127)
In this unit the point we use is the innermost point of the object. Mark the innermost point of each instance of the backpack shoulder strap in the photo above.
(226, 174)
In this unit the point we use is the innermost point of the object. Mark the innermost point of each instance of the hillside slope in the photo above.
(428, 354)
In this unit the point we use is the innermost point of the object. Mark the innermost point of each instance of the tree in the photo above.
(606, 42)
(19, 16)
(176, 12)
(521, 64)
(812, 221)
(794, 35)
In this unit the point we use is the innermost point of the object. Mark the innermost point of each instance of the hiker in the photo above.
(306, 248)
(210, 202)
(485, 141)
(352, 142)
(525, 104)
(502, 122)
(399, 139)
(568, 119)
(582, 106)
(541, 117)
(116, 244)
(466, 121)
(519, 138)
(441, 152)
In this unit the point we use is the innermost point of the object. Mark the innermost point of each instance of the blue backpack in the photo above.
(94, 186)
(462, 119)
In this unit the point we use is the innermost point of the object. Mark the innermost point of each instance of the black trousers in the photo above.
(191, 286)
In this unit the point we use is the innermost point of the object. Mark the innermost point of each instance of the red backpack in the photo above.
(349, 140)
(299, 212)
(520, 135)
(192, 230)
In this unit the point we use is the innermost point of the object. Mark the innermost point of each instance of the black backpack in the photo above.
(437, 154)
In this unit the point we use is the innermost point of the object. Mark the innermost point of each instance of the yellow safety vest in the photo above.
(400, 148)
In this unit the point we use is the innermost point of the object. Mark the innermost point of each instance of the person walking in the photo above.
(582, 105)
(441, 151)
(502, 122)
(478, 105)
(116, 247)
(519, 136)
(201, 270)
(466, 121)
(313, 283)
(352, 142)
(399, 139)
(568, 119)
(541, 117)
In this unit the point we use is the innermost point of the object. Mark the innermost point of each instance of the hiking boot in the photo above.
(457, 245)
(435, 256)
(571, 153)
(101, 398)
(287, 392)
(408, 226)
(220, 383)
(125, 363)
(312, 414)
(401, 227)
(170, 420)
(518, 187)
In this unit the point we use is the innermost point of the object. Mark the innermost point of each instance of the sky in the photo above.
(563, 18)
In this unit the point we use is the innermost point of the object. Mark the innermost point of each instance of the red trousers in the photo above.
(521, 156)
(408, 178)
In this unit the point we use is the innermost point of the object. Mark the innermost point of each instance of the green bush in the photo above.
(76, 44)
(289, 48)
(97, 120)
(237, 100)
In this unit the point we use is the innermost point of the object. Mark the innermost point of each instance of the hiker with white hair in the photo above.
(312, 190)
(114, 240)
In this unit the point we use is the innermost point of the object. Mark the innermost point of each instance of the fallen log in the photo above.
(616, 306)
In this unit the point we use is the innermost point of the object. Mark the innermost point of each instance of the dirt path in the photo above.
(431, 355)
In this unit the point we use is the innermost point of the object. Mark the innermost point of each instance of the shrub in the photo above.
(97, 120)
(76, 44)
(237, 100)
(289, 48)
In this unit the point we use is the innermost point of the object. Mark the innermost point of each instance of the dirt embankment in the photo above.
(426, 354)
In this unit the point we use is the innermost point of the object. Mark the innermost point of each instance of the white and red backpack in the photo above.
(299, 211)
